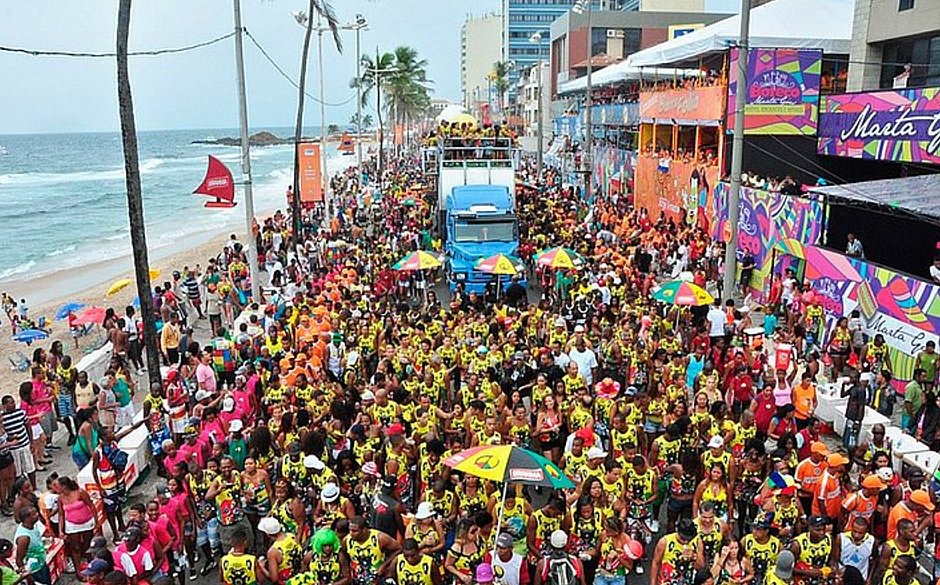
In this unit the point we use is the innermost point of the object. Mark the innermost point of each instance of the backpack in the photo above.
(560, 571)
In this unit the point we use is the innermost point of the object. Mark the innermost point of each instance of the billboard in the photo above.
(690, 105)
(782, 91)
(311, 176)
(892, 125)
(680, 191)
(680, 30)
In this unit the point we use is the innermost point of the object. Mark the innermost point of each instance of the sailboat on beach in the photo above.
(346, 144)
(218, 184)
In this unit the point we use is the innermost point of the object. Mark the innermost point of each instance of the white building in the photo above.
(481, 45)
(529, 104)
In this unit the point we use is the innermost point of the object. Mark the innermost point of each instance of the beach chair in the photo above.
(18, 362)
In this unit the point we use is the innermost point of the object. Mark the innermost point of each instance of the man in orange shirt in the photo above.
(808, 473)
(827, 499)
(862, 504)
(915, 509)
(804, 400)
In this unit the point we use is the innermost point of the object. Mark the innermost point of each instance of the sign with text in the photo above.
(683, 104)
(782, 91)
(680, 30)
(311, 175)
(894, 125)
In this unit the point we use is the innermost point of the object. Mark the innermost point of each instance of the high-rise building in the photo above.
(481, 46)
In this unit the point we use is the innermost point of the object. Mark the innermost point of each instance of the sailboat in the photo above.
(218, 184)
(346, 144)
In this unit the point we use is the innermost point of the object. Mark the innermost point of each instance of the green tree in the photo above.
(500, 77)
(332, 129)
(367, 120)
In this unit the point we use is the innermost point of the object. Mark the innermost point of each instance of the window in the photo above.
(494, 231)
(905, 5)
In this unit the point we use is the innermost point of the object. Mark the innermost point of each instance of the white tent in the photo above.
(619, 72)
(450, 111)
(781, 24)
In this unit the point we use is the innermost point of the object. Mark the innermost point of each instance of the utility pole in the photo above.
(737, 154)
(360, 24)
(378, 117)
(299, 125)
(536, 39)
(246, 156)
(589, 104)
(323, 173)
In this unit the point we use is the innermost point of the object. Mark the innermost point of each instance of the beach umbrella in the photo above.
(509, 464)
(118, 285)
(70, 307)
(154, 273)
(685, 294)
(419, 260)
(560, 258)
(28, 336)
(91, 315)
(500, 264)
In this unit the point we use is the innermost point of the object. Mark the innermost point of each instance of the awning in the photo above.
(781, 24)
(620, 72)
(914, 196)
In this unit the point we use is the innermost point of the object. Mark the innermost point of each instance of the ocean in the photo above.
(63, 202)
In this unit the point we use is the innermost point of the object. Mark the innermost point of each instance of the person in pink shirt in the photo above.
(194, 448)
(230, 411)
(212, 431)
(160, 531)
(133, 559)
(205, 374)
(34, 415)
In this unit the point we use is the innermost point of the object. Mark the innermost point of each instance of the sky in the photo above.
(197, 89)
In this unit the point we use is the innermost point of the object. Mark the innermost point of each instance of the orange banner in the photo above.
(691, 104)
(311, 175)
(399, 134)
(679, 189)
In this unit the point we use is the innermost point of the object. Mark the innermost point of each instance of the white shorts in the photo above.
(23, 461)
(124, 416)
(72, 528)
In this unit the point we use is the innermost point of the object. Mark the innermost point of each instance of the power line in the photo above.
(289, 78)
(38, 53)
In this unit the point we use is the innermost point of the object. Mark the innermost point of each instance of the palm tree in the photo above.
(332, 129)
(325, 11)
(366, 120)
(135, 204)
(368, 82)
(500, 76)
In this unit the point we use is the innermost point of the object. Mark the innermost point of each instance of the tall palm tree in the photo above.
(135, 204)
(325, 11)
(500, 75)
(370, 81)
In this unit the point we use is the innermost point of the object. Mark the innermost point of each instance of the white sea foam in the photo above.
(18, 269)
(24, 179)
(62, 250)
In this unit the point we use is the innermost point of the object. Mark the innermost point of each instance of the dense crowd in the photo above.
(304, 441)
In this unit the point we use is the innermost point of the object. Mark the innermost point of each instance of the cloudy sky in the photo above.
(197, 89)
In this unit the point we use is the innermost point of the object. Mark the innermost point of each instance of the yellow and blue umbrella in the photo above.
(508, 463)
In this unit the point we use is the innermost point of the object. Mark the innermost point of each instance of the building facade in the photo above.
(895, 43)
(481, 45)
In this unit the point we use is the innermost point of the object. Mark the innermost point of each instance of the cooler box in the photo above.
(892, 434)
(872, 418)
(829, 408)
(927, 461)
(903, 446)
(828, 390)
(753, 336)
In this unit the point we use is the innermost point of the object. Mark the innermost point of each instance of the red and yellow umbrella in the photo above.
(419, 260)
(560, 258)
(500, 264)
(685, 294)
(508, 463)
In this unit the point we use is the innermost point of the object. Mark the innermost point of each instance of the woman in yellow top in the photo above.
(427, 530)
(714, 488)
(466, 553)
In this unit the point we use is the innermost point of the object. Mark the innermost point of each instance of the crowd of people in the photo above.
(303, 442)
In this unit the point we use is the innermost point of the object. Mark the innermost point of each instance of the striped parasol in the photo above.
(419, 260)
(500, 264)
(560, 258)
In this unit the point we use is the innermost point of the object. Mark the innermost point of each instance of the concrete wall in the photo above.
(886, 23)
(863, 74)
(482, 45)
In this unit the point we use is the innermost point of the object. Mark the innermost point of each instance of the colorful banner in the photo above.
(399, 134)
(782, 91)
(767, 219)
(905, 310)
(680, 190)
(311, 178)
(613, 168)
(895, 125)
(694, 104)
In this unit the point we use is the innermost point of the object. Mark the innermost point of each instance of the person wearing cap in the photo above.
(93, 572)
(412, 567)
(134, 560)
(781, 572)
(761, 548)
(370, 551)
(717, 455)
(559, 566)
(828, 494)
(914, 508)
(584, 357)
(426, 530)
(291, 465)
(808, 473)
(813, 552)
(238, 567)
(863, 502)
(332, 506)
(507, 565)
(855, 547)
(676, 556)
(284, 557)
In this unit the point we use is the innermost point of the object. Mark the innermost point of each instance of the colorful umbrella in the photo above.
(419, 260)
(500, 264)
(67, 308)
(118, 285)
(683, 293)
(91, 315)
(508, 463)
(28, 336)
(560, 258)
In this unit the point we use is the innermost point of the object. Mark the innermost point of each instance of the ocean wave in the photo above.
(18, 269)
(62, 250)
(146, 167)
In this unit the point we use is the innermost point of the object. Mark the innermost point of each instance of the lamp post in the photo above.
(585, 7)
(536, 39)
(377, 73)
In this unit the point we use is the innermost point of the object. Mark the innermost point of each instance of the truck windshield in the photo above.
(497, 231)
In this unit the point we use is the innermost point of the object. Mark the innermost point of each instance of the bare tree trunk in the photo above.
(135, 204)
(298, 128)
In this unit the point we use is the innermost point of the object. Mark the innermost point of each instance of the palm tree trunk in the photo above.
(135, 205)
(299, 126)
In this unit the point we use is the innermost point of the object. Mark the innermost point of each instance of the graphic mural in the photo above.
(612, 165)
(782, 91)
(680, 190)
(902, 308)
(766, 219)
(895, 125)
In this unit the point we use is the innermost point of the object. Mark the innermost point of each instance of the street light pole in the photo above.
(589, 104)
(246, 155)
(360, 24)
(737, 154)
(536, 38)
(323, 174)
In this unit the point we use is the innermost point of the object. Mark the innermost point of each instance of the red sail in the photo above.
(218, 184)
(346, 144)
